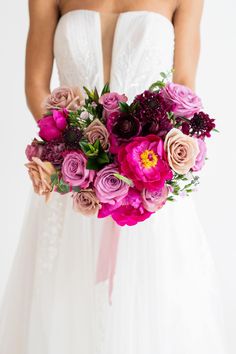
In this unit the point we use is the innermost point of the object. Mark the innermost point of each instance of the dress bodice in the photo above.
(143, 46)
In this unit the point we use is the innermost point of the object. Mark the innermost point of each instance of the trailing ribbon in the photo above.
(106, 262)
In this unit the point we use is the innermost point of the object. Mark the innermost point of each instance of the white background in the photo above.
(215, 84)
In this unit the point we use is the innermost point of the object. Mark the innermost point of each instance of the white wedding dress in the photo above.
(165, 298)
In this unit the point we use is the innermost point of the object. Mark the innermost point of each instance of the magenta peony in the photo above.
(74, 170)
(185, 102)
(110, 101)
(143, 160)
(51, 127)
(131, 211)
(200, 160)
(109, 189)
(155, 200)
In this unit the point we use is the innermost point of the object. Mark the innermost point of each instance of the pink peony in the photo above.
(109, 189)
(110, 101)
(51, 127)
(35, 149)
(154, 200)
(185, 102)
(200, 160)
(74, 170)
(143, 160)
(131, 211)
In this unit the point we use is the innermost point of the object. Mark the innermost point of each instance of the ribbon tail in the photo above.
(107, 257)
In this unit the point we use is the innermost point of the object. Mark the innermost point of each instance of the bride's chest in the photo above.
(131, 48)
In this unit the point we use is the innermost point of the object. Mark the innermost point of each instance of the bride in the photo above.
(164, 298)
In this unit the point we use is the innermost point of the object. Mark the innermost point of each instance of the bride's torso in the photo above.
(138, 45)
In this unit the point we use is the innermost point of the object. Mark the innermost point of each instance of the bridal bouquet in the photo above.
(120, 159)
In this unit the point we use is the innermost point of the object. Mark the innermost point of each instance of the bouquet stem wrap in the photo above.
(107, 256)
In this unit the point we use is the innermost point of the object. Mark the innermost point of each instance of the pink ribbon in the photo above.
(106, 262)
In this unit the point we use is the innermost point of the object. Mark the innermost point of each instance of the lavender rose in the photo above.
(182, 151)
(86, 202)
(63, 97)
(74, 170)
(200, 160)
(110, 102)
(109, 189)
(185, 102)
(97, 131)
(154, 200)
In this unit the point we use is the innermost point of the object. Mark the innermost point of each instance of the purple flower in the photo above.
(110, 102)
(122, 127)
(109, 189)
(51, 127)
(185, 102)
(74, 170)
(200, 160)
(152, 113)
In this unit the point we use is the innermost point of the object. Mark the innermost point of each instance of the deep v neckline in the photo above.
(100, 25)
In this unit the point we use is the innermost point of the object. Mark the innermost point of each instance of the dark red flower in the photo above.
(152, 112)
(200, 125)
(53, 152)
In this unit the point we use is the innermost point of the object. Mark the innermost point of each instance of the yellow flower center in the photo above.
(149, 158)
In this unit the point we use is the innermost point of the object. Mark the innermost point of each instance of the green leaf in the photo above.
(157, 84)
(215, 130)
(124, 107)
(163, 75)
(124, 179)
(92, 164)
(76, 189)
(54, 179)
(106, 89)
(103, 158)
(89, 93)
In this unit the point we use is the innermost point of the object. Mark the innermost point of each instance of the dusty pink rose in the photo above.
(185, 102)
(35, 149)
(200, 160)
(110, 102)
(51, 127)
(154, 200)
(182, 151)
(74, 170)
(64, 97)
(97, 131)
(86, 202)
(40, 173)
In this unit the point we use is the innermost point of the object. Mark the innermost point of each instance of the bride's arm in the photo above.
(187, 41)
(39, 52)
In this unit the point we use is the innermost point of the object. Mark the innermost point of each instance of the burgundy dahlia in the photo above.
(200, 125)
(53, 152)
(122, 127)
(72, 136)
(152, 112)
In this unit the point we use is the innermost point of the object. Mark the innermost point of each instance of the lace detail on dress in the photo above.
(50, 234)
